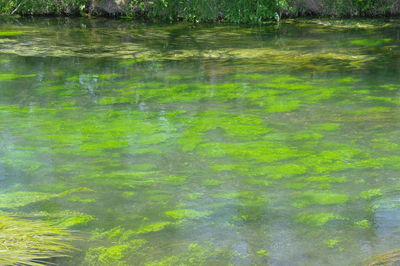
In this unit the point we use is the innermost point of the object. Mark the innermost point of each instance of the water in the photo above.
(204, 145)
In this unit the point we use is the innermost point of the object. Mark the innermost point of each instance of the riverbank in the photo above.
(240, 11)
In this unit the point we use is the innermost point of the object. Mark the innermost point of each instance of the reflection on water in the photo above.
(195, 145)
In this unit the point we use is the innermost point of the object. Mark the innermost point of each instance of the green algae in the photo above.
(64, 219)
(81, 199)
(20, 199)
(333, 243)
(193, 254)
(326, 179)
(281, 171)
(12, 33)
(363, 223)
(113, 255)
(319, 219)
(326, 127)
(182, 214)
(277, 106)
(212, 182)
(262, 253)
(321, 198)
(154, 227)
(73, 221)
(107, 255)
(384, 144)
(117, 234)
(372, 193)
(370, 42)
(251, 141)
(307, 135)
(8, 77)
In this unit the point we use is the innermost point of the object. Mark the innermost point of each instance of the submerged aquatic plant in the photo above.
(388, 258)
(23, 198)
(31, 242)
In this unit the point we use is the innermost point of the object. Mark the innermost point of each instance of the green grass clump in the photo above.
(30, 242)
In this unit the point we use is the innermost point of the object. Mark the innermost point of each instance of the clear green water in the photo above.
(204, 145)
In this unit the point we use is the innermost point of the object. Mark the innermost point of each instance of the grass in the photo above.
(31, 242)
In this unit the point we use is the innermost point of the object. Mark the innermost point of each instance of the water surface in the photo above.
(204, 145)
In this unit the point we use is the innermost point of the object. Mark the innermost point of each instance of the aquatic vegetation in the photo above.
(19, 199)
(81, 200)
(150, 140)
(388, 258)
(257, 181)
(64, 219)
(154, 227)
(281, 171)
(182, 214)
(11, 33)
(31, 242)
(326, 127)
(283, 106)
(194, 254)
(72, 221)
(7, 77)
(370, 42)
(312, 197)
(116, 234)
(372, 193)
(106, 256)
(363, 223)
(326, 179)
(384, 144)
(262, 253)
(332, 243)
(307, 135)
(113, 255)
(212, 182)
(332, 160)
(319, 219)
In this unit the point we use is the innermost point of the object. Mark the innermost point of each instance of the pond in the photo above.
(186, 144)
